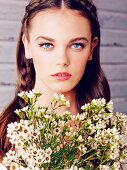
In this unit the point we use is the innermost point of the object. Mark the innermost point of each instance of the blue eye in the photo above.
(46, 45)
(78, 45)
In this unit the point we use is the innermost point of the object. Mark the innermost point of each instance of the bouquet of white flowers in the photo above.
(46, 140)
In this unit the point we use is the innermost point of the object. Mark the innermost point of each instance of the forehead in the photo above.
(54, 22)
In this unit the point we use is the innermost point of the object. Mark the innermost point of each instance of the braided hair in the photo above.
(93, 83)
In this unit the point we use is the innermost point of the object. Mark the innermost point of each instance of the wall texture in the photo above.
(113, 20)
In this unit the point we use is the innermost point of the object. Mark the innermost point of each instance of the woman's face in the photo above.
(60, 45)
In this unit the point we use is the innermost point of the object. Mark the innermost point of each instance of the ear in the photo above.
(93, 45)
(94, 42)
(26, 47)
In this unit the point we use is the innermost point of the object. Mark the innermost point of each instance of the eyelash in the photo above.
(43, 44)
(82, 45)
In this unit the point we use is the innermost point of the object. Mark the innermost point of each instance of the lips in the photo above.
(62, 76)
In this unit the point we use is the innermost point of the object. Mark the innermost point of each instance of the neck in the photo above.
(45, 100)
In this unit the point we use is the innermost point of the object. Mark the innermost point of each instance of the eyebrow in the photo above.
(45, 38)
(71, 41)
(78, 39)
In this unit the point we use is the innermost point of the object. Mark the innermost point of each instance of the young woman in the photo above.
(58, 51)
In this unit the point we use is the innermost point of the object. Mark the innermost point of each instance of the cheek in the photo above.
(41, 65)
(80, 65)
(81, 69)
(40, 60)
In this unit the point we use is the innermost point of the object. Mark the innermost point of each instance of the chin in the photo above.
(62, 89)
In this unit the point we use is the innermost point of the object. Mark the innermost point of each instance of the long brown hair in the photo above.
(93, 83)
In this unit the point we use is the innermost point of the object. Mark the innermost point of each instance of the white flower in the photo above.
(102, 102)
(89, 121)
(24, 122)
(24, 109)
(73, 117)
(30, 94)
(67, 103)
(110, 106)
(6, 161)
(48, 151)
(68, 133)
(99, 102)
(17, 111)
(14, 166)
(62, 97)
(104, 167)
(66, 113)
(39, 160)
(35, 133)
(2, 167)
(80, 116)
(116, 166)
(57, 131)
(101, 125)
(10, 155)
(107, 116)
(48, 132)
(47, 158)
(54, 123)
(19, 144)
(22, 152)
(56, 96)
(30, 162)
(61, 123)
(82, 148)
(73, 168)
(96, 117)
(36, 91)
(114, 154)
(47, 116)
(11, 128)
(85, 107)
(80, 138)
(21, 94)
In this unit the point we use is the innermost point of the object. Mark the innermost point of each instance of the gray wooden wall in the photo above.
(113, 20)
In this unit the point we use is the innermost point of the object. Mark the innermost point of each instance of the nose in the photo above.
(62, 57)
